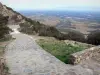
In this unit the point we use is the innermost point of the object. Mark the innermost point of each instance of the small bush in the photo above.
(4, 30)
(94, 38)
(72, 35)
(44, 30)
(76, 36)
(38, 28)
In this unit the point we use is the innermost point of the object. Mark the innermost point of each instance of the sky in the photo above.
(53, 4)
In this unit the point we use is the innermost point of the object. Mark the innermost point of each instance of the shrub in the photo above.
(49, 31)
(25, 27)
(76, 36)
(94, 38)
(4, 30)
(72, 35)
(41, 29)
(44, 30)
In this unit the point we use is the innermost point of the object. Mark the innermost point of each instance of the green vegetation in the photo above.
(60, 49)
(94, 37)
(74, 35)
(4, 37)
(4, 30)
(31, 27)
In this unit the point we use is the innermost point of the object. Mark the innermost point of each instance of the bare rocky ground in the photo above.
(25, 57)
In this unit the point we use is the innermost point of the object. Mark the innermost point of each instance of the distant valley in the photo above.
(84, 22)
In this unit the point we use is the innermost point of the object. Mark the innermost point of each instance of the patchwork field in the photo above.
(83, 25)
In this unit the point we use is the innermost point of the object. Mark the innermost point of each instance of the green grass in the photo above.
(60, 49)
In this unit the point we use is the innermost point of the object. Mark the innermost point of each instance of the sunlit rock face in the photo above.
(14, 17)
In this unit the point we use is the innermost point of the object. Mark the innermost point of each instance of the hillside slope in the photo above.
(30, 26)
(26, 23)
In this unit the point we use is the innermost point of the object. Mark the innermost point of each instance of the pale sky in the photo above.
(52, 4)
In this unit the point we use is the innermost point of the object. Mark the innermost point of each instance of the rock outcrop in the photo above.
(81, 56)
(14, 17)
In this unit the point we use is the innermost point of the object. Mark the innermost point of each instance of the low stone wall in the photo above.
(84, 55)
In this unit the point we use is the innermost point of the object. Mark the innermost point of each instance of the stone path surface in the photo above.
(24, 57)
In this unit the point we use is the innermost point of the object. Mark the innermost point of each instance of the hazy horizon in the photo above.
(76, 5)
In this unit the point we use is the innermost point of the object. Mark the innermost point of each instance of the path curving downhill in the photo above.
(24, 57)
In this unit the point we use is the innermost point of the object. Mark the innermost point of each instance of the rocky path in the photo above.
(24, 57)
